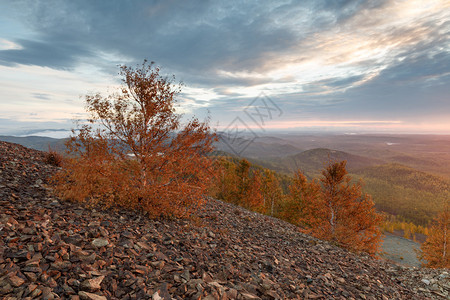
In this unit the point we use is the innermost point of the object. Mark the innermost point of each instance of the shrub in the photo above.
(134, 152)
(53, 158)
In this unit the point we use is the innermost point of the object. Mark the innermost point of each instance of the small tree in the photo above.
(253, 198)
(303, 206)
(436, 249)
(350, 219)
(134, 151)
(334, 210)
(272, 192)
(249, 185)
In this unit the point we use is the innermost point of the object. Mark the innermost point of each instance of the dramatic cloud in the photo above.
(321, 61)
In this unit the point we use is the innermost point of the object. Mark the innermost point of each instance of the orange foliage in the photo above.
(303, 203)
(53, 158)
(237, 184)
(332, 208)
(272, 192)
(248, 193)
(135, 153)
(436, 249)
(337, 210)
(225, 180)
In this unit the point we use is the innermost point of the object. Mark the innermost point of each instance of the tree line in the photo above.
(331, 208)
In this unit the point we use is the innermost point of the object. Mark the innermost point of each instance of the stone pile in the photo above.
(51, 249)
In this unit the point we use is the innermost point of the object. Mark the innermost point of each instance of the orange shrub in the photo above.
(135, 153)
(53, 158)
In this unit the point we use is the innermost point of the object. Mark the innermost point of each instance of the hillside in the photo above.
(52, 249)
(399, 190)
(428, 153)
(254, 148)
(407, 177)
(312, 161)
(413, 195)
(36, 142)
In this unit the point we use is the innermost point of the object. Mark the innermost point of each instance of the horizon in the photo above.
(62, 134)
(346, 66)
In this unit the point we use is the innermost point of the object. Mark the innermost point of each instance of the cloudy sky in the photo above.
(380, 66)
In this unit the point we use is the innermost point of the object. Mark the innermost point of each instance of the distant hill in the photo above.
(407, 177)
(430, 162)
(312, 162)
(36, 142)
(255, 148)
(428, 153)
(315, 159)
(404, 191)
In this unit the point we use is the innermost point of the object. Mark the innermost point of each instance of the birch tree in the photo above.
(436, 249)
(135, 152)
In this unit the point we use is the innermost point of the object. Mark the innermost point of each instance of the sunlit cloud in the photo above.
(9, 45)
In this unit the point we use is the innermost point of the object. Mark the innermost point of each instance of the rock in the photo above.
(232, 293)
(90, 296)
(74, 239)
(6, 289)
(272, 294)
(29, 289)
(16, 281)
(100, 242)
(47, 293)
(20, 255)
(73, 282)
(92, 285)
(426, 281)
(36, 293)
(186, 276)
(248, 296)
(156, 296)
(61, 265)
(340, 280)
(67, 289)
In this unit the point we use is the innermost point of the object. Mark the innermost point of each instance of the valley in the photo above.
(408, 176)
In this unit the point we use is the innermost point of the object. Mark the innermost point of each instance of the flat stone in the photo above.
(16, 281)
(248, 296)
(90, 296)
(92, 285)
(100, 242)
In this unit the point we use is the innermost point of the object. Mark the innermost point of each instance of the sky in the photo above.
(350, 66)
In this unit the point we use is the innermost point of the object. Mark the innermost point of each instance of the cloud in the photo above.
(197, 35)
(56, 55)
(42, 96)
(328, 59)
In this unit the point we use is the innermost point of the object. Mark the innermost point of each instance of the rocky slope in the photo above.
(51, 249)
